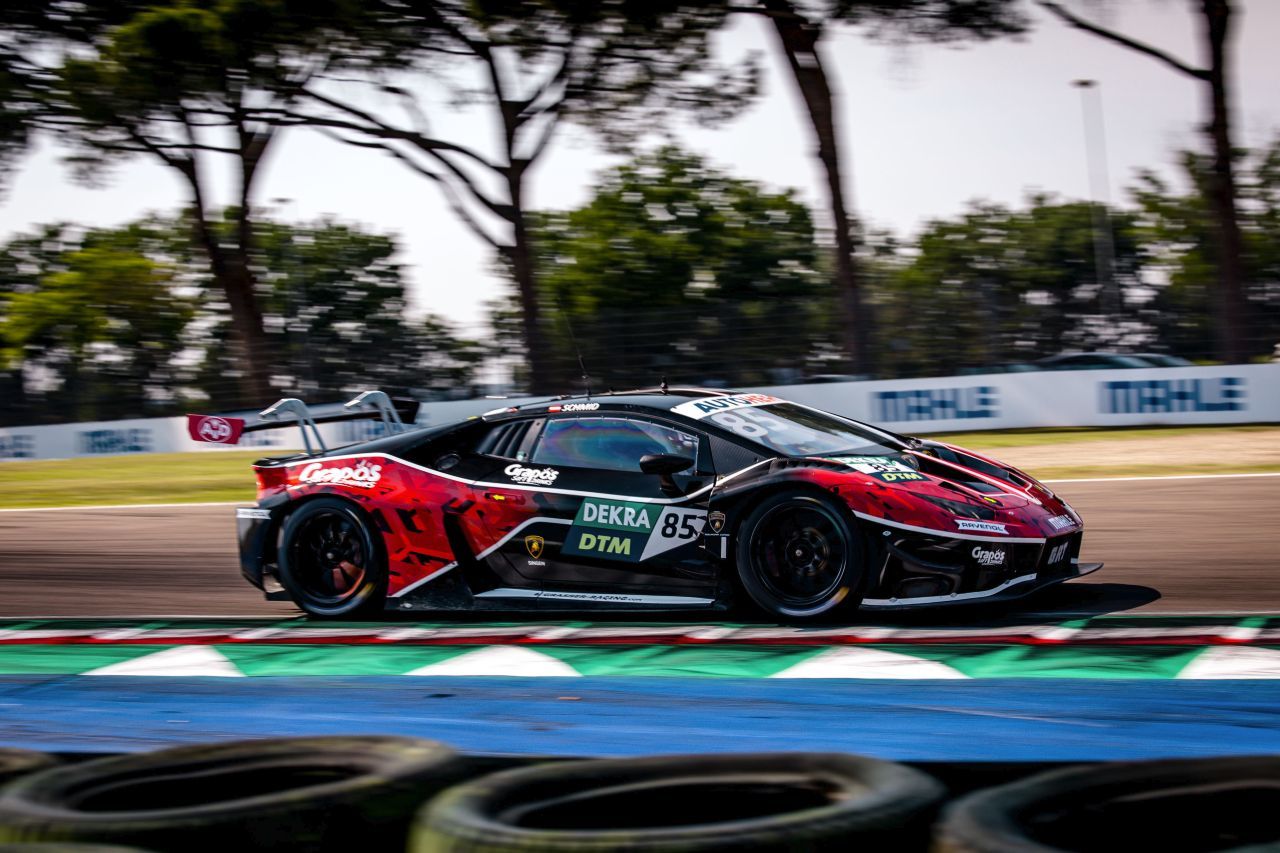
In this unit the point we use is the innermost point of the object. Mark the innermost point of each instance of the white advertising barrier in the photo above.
(1247, 393)
(1159, 396)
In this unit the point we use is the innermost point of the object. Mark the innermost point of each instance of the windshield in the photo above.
(794, 430)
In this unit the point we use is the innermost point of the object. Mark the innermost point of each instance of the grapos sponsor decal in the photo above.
(626, 530)
(364, 474)
(1058, 553)
(574, 407)
(531, 476)
(1059, 522)
(698, 409)
(980, 526)
(880, 467)
(988, 556)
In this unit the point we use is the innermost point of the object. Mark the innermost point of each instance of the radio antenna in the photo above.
(586, 380)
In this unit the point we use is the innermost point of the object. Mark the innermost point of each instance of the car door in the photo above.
(602, 525)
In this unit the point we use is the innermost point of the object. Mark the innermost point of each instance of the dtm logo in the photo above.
(531, 476)
(215, 429)
(988, 557)
(365, 475)
(618, 546)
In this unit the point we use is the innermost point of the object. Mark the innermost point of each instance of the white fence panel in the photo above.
(1159, 396)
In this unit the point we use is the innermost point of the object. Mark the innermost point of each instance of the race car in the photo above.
(661, 498)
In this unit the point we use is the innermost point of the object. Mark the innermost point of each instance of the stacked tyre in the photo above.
(292, 794)
(786, 801)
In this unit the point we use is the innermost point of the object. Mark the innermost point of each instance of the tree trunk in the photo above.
(799, 40)
(1230, 307)
(232, 273)
(520, 256)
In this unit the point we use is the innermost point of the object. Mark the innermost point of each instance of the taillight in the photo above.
(271, 480)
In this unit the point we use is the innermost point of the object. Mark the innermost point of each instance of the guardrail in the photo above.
(1158, 396)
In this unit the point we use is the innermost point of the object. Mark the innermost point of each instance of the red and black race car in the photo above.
(648, 499)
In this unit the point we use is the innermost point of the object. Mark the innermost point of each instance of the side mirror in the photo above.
(665, 464)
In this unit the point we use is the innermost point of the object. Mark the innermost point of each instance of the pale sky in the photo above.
(926, 129)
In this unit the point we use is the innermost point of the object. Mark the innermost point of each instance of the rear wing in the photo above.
(398, 415)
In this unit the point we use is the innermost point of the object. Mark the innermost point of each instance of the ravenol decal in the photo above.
(699, 409)
(981, 526)
(880, 467)
(629, 531)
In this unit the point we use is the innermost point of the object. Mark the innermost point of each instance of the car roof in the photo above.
(653, 399)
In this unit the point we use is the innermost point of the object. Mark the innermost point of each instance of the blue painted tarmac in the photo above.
(987, 720)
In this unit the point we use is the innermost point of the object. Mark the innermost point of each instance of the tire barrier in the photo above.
(1217, 804)
(290, 794)
(15, 763)
(779, 801)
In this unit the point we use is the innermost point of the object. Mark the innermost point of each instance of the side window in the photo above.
(510, 440)
(612, 444)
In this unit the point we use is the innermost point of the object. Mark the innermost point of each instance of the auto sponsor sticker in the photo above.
(574, 407)
(699, 409)
(364, 474)
(981, 526)
(630, 531)
(214, 429)
(880, 467)
(1061, 522)
(988, 556)
(531, 476)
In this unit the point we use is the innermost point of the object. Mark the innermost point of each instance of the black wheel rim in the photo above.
(329, 558)
(799, 554)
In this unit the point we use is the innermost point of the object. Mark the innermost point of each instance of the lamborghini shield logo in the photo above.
(715, 521)
(534, 544)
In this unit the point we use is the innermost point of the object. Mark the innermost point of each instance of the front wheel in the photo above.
(799, 557)
(330, 562)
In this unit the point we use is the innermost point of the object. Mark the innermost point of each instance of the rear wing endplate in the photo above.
(218, 429)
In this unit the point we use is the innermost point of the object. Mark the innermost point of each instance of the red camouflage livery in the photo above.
(653, 499)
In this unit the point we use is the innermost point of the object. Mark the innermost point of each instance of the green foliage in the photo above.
(997, 285)
(126, 322)
(674, 268)
(1178, 232)
(105, 320)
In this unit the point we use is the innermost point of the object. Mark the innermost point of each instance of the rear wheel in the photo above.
(330, 561)
(799, 557)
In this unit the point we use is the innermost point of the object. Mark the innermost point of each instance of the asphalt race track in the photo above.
(1176, 545)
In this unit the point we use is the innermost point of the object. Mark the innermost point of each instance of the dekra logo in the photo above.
(616, 515)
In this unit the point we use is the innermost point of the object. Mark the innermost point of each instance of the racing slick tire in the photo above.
(1223, 804)
(331, 562)
(800, 558)
(287, 794)
(763, 801)
(15, 763)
